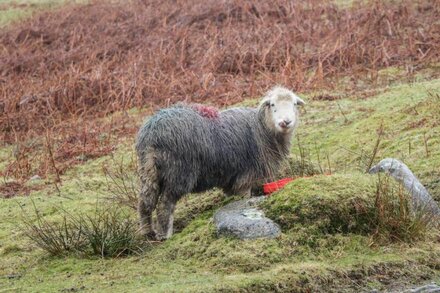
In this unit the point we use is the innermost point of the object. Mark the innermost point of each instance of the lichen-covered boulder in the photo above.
(243, 219)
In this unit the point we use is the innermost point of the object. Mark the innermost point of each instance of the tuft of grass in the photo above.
(108, 232)
(122, 181)
(395, 220)
(57, 238)
(303, 164)
(300, 167)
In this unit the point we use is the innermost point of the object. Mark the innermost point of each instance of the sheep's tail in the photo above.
(149, 192)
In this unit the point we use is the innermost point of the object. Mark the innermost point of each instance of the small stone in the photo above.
(431, 288)
(243, 219)
(14, 276)
(35, 178)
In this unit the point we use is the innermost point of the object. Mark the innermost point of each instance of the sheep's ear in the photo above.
(265, 103)
(299, 101)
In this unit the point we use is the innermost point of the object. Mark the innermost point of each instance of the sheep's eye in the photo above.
(272, 105)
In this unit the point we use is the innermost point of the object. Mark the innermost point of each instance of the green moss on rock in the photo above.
(340, 203)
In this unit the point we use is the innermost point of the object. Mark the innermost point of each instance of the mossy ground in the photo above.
(347, 130)
(326, 242)
(15, 10)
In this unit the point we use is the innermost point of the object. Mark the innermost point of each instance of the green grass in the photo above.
(346, 129)
(16, 10)
(324, 246)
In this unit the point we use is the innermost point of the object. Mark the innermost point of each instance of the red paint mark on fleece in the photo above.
(270, 187)
(206, 111)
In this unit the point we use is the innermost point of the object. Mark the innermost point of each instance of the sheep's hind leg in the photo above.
(148, 198)
(165, 217)
(145, 212)
(149, 193)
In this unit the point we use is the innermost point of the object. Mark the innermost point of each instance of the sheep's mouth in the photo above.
(285, 129)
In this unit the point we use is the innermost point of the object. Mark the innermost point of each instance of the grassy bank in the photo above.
(325, 245)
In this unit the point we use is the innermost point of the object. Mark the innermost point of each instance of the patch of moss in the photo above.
(340, 203)
(370, 275)
(199, 242)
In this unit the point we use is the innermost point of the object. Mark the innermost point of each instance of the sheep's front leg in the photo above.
(165, 218)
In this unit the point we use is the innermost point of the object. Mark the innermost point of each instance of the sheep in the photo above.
(191, 148)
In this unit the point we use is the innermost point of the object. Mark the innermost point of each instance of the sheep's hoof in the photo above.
(147, 235)
(151, 236)
(161, 237)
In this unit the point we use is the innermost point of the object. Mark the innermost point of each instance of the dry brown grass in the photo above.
(95, 59)
(61, 70)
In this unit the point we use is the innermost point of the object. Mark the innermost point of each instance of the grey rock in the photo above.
(430, 288)
(421, 199)
(35, 178)
(243, 219)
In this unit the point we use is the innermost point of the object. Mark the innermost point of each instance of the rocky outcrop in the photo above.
(243, 219)
(421, 199)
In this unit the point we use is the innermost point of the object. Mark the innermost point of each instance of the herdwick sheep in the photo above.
(192, 148)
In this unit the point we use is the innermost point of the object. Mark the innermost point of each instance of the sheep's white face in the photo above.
(282, 105)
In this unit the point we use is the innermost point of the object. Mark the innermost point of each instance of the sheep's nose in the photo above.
(285, 123)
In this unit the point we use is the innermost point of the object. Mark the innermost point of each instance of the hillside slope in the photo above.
(318, 250)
